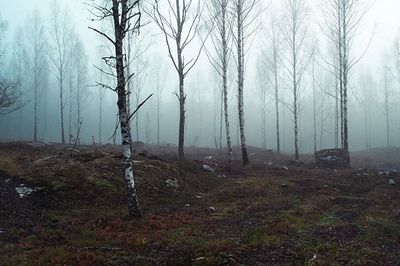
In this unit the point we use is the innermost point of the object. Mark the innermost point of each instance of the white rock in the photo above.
(211, 209)
(208, 168)
(24, 191)
(392, 182)
(172, 183)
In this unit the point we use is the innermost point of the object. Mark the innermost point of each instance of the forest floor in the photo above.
(57, 209)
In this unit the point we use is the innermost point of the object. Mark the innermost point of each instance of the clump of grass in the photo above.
(9, 163)
(261, 236)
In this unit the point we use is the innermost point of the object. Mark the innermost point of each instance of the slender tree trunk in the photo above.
(158, 121)
(387, 116)
(35, 111)
(133, 204)
(336, 141)
(78, 101)
(345, 80)
(62, 107)
(137, 102)
(70, 110)
(182, 99)
(221, 115)
(278, 141)
(240, 43)
(295, 95)
(321, 136)
(314, 108)
(225, 52)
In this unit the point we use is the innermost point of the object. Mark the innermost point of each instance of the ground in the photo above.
(273, 212)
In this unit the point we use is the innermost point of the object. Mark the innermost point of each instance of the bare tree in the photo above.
(273, 62)
(297, 59)
(80, 65)
(343, 19)
(159, 71)
(37, 64)
(366, 98)
(125, 15)
(18, 67)
(245, 13)
(180, 24)
(59, 52)
(220, 38)
(137, 62)
(9, 90)
(386, 97)
(262, 89)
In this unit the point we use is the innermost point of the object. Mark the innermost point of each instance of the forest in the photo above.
(199, 132)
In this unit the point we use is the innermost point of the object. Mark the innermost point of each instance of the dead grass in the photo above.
(263, 215)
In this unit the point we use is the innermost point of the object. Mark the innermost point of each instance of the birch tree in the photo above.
(18, 67)
(159, 71)
(80, 65)
(273, 61)
(343, 19)
(125, 16)
(9, 89)
(37, 64)
(245, 15)
(220, 56)
(386, 101)
(262, 89)
(297, 59)
(60, 34)
(180, 24)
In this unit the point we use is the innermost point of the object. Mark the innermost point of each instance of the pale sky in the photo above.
(383, 17)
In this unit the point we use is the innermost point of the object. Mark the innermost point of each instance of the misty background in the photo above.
(377, 37)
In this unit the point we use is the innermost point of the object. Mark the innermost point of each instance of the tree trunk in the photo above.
(182, 99)
(225, 52)
(62, 108)
(345, 80)
(278, 141)
(240, 43)
(70, 110)
(133, 204)
(314, 108)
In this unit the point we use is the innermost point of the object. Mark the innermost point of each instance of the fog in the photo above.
(374, 44)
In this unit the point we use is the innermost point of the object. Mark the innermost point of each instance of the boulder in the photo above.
(332, 158)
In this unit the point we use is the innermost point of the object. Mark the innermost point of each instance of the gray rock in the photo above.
(172, 183)
(208, 168)
(211, 209)
(392, 182)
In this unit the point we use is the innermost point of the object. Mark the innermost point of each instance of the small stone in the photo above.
(172, 183)
(187, 205)
(208, 168)
(211, 209)
(284, 185)
(392, 182)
